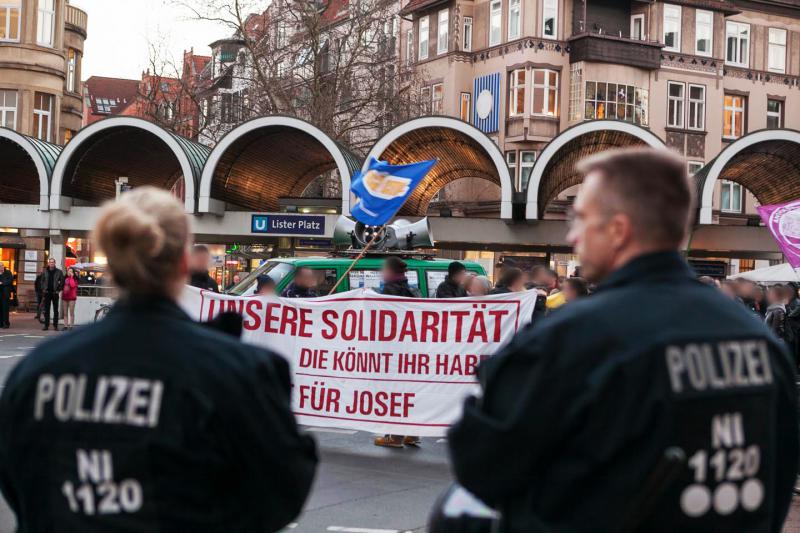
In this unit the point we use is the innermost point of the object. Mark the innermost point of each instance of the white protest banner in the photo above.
(384, 364)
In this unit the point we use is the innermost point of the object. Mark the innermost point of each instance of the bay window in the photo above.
(46, 22)
(71, 64)
(423, 38)
(8, 109)
(442, 34)
(549, 18)
(675, 97)
(42, 116)
(545, 92)
(516, 97)
(514, 7)
(672, 28)
(777, 50)
(737, 44)
(697, 107)
(733, 121)
(704, 33)
(9, 20)
(495, 22)
(616, 101)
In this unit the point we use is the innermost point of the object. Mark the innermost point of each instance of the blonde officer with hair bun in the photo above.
(147, 421)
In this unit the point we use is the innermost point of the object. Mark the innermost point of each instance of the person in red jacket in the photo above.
(68, 297)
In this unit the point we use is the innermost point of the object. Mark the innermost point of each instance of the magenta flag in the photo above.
(783, 221)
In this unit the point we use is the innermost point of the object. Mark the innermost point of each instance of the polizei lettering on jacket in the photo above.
(114, 399)
(707, 366)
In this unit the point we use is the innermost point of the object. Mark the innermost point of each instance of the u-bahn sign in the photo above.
(288, 225)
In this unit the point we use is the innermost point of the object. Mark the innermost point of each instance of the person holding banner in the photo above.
(147, 421)
(611, 415)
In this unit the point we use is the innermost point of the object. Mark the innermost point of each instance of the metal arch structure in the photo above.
(189, 155)
(250, 144)
(620, 131)
(766, 162)
(451, 141)
(42, 155)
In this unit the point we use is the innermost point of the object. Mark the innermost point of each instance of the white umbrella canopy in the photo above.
(783, 273)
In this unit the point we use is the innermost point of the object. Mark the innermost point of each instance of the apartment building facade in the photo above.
(698, 74)
(41, 48)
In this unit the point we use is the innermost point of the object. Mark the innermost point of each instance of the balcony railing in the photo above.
(617, 50)
(76, 19)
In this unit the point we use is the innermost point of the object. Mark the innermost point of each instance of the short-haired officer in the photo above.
(655, 405)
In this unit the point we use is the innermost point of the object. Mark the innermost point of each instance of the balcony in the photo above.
(76, 20)
(618, 50)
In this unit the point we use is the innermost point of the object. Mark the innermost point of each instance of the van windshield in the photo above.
(274, 269)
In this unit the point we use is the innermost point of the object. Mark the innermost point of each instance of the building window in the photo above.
(774, 114)
(425, 97)
(637, 27)
(575, 92)
(549, 18)
(495, 21)
(697, 107)
(42, 116)
(423, 38)
(516, 95)
(527, 159)
(71, 63)
(545, 92)
(703, 33)
(695, 166)
(46, 22)
(68, 135)
(437, 94)
(8, 109)
(616, 101)
(511, 162)
(409, 47)
(777, 50)
(672, 28)
(733, 124)
(9, 20)
(737, 47)
(467, 34)
(280, 40)
(513, 19)
(730, 197)
(442, 36)
(675, 100)
(466, 106)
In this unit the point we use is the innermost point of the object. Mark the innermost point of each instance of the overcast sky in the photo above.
(120, 32)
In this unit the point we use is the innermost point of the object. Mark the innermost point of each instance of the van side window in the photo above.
(372, 279)
(326, 279)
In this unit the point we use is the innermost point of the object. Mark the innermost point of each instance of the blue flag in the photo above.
(384, 188)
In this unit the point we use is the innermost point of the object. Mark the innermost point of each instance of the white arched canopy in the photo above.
(462, 151)
(128, 147)
(554, 170)
(267, 158)
(26, 161)
(766, 162)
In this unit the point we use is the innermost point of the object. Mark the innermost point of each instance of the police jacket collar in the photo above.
(647, 268)
(155, 305)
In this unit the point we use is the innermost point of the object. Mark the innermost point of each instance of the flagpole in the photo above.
(356, 260)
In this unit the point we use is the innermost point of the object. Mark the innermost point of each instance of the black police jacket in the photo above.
(148, 422)
(655, 405)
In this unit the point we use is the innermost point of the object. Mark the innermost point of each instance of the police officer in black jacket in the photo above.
(655, 405)
(147, 421)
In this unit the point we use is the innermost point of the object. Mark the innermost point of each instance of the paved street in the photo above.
(359, 488)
